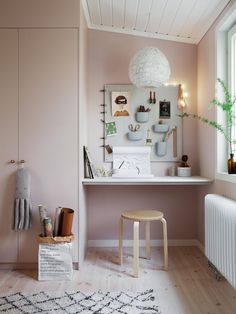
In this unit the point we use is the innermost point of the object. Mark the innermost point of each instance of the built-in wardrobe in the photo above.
(38, 124)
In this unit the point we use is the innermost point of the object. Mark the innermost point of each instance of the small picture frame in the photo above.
(164, 109)
(120, 104)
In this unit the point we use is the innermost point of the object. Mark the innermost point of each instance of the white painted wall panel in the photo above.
(169, 15)
(94, 12)
(118, 13)
(106, 12)
(143, 14)
(130, 13)
(158, 8)
(207, 18)
(185, 10)
(194, 19)
(178, 20)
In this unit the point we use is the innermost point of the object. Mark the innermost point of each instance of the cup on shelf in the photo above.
(184, 171)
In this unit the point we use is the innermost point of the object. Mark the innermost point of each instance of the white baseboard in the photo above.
(26, 266)
(201, 247)
(129, 243)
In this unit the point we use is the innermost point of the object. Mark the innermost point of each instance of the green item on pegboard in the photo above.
(110, 128)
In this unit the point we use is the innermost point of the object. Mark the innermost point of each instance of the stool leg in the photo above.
(165, 243)
(148, 246)
(136, 248)
(121, 240)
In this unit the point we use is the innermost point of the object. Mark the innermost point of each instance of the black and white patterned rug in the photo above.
(78, 302)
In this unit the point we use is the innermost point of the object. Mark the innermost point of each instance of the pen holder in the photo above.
(161, 149)
(142, 117)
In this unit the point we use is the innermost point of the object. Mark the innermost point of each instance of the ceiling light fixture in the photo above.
(149, 68)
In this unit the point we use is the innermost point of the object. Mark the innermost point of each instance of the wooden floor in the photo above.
(188, 287)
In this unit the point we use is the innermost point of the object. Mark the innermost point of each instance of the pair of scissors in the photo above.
(134, 128)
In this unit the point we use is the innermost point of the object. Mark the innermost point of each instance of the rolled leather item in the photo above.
(67, 221)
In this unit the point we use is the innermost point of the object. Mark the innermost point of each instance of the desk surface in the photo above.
(165, 180)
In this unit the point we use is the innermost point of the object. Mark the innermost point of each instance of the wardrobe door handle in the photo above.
(12, 161)
(22, 161)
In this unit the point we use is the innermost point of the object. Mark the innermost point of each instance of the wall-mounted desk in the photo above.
(165, 180)
(108, 197)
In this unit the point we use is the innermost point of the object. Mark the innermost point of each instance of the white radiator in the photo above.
(220, 235)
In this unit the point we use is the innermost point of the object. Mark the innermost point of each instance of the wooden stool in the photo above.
(138, 216)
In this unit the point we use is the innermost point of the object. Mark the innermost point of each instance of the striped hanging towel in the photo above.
(22, 206)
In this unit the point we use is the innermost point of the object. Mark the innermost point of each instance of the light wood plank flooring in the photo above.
(189, 287)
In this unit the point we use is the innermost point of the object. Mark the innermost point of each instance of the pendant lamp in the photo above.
(149, 68)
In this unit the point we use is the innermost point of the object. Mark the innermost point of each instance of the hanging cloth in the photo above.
(22, 206)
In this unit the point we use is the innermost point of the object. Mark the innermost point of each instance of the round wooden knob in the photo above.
(12, 161)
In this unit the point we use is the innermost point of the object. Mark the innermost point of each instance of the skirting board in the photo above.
(129, 243)
(26, 266)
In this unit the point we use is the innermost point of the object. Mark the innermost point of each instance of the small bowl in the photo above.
(135, 136)
(184, 171)
(161, 128)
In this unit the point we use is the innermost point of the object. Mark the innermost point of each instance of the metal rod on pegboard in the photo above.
(103, 112)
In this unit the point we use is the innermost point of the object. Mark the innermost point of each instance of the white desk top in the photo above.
(165, 180)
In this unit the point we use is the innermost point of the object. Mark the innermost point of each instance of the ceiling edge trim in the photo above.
(144, 34)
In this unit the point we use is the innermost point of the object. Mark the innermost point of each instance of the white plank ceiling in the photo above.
(179, 20)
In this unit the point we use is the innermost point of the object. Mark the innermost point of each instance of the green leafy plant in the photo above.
(228, 108)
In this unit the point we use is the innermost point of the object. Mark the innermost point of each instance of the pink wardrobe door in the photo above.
(48, 125)
(8, 140)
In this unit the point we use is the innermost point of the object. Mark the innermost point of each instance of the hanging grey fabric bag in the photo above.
(22, 206)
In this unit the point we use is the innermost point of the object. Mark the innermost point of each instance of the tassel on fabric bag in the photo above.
(22, 218)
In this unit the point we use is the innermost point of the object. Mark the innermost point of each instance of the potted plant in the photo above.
(227, 107)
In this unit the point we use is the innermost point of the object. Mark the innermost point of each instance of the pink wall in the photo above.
(44, 13)
(105, 205)
(206, 135)
(82, 131)
(109, 55)
(108, 61)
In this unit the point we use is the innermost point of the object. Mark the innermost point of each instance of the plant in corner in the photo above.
(227, 107)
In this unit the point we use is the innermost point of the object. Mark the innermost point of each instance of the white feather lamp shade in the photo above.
(149, 68)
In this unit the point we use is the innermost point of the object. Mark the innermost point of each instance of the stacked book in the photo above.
(89, 170)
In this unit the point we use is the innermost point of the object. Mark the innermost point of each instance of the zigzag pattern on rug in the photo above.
(78, 302)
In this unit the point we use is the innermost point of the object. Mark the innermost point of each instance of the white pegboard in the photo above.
(139, 97)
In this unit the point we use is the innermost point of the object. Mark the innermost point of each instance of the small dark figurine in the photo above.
(184, 161)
